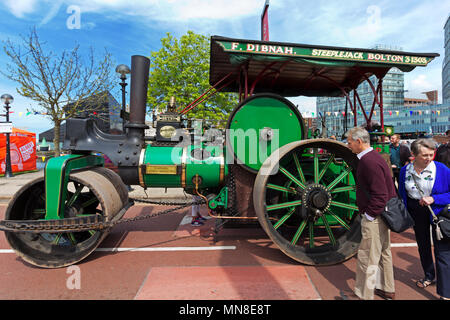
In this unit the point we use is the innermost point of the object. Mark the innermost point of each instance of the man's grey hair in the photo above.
(359, 133)
(422, 142)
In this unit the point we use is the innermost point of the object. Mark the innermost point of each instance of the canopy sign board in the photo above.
(325, 54)
(290, 69)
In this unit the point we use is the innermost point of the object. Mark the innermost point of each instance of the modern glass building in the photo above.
(334, 108)
(446, 64)
(423, 116)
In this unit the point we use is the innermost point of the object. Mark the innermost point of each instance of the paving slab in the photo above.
(228, 283)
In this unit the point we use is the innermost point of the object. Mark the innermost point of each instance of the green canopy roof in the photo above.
(299, 69)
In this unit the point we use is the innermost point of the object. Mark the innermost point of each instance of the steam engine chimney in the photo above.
(138, 96)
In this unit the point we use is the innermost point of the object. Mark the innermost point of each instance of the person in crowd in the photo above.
(423, 183)
(443, 152)
(197, 218)
(399, 155)
(374, 187)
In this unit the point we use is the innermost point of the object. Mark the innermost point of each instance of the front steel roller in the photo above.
(97, 191)
(307, 205)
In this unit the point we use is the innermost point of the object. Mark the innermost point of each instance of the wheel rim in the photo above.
(308, 206)
(53, 250)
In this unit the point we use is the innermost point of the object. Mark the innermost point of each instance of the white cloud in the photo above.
(175, 11)
(304, 104)
(159, 10)
(20, 8)
(52, 12)
(416, 26)
(423, 80)
(88, 25)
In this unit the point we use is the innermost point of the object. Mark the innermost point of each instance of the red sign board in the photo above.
(22, 151)
(265, 22)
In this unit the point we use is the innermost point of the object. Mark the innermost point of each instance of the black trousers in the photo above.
(421, 216)
(396, 176)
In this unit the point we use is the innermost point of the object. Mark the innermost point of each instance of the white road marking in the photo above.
(153, 249)
(168, 249)
(393, 245)
(403, 245)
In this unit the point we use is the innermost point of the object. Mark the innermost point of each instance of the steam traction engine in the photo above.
(302, 191)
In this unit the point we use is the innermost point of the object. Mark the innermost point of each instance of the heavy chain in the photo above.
(97, 222)
(55, 226)
(78, 224)
(163, 203)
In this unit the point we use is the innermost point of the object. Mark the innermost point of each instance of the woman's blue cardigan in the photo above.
(440, 191)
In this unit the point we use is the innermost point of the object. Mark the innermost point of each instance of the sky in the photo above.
(135, 27)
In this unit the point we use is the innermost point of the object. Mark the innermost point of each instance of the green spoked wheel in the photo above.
(305, 200)
(98, 191)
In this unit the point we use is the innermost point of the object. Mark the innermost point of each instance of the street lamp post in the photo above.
(123, 70)
(7, 99)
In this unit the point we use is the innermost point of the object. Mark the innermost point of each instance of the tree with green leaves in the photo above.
(181, 69)
(61, 84)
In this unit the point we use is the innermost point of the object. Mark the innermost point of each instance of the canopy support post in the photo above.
(380, 85)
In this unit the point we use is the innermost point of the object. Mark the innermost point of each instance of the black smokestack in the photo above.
(140, 66)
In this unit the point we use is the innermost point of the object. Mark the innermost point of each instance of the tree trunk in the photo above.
(56, 138)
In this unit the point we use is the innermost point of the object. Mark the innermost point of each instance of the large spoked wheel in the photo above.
(305, 200)
(94, 192)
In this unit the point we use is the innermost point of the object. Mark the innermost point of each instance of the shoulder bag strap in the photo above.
(439, 235)
(423, 195)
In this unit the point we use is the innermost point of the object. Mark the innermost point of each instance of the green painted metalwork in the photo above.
(292, 177)
(341, 184)
(239, 51)
(280, 188)
(381, 147)
(300, 169)
(339, 220)
(57, 171)
(220, 200)
(344, 174)
(284, 205)
(316, 166)
(299, 232)
(327, 227)
(284, 218)
(163, 156)
(211, 167)
(253, 117)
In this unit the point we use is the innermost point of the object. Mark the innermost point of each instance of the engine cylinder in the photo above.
(178, 166)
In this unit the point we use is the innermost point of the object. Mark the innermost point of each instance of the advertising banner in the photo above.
(22, 151)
